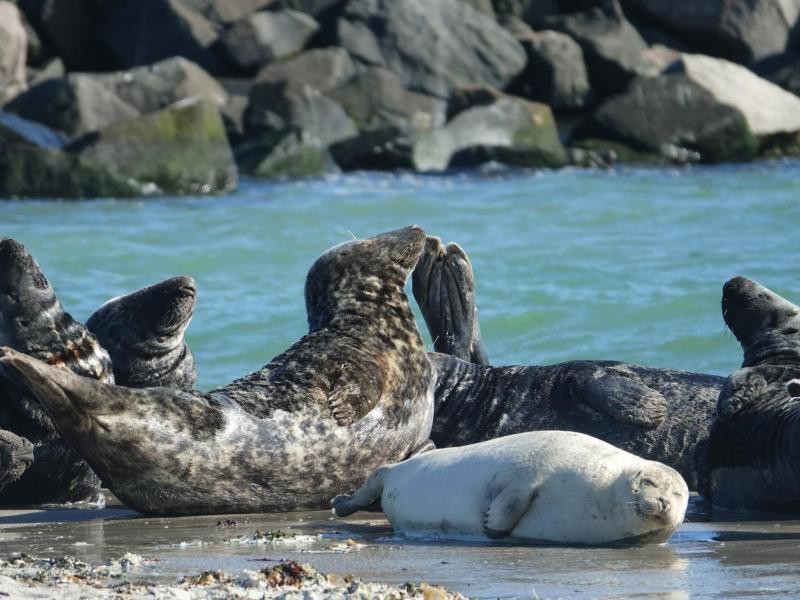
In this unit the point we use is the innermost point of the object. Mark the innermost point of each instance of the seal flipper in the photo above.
(354, 393)
(745, 386)
(620, 393)
(363, 497)
(506, 509)
(16, 455)
(444, 288)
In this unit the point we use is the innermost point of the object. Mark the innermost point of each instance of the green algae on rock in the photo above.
(182, 149)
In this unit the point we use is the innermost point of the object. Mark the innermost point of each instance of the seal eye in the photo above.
(648, 482)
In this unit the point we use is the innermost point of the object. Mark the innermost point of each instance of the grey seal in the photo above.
(143, 332)
(352, 394)
(16, 455)
(33, 321)
(663, 415)
(755, 440)
(556, 487)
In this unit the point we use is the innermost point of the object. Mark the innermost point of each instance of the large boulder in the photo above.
(75, 104)
(556, 71)
(509, 130)
(141, 32)
(288, 155)
(32, 164)
(376, 98)
(740, 30)
(180, 149)
(615, 53)
(13, 50)
(783, 71)
(386, 149)
(670, 115)
(434, 47)
(287, 105)
(768, 109)
(263, 37)
(153, 87)
(228, 11)
(323, 69)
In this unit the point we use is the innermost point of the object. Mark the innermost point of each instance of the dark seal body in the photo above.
(755, 441)
(659, 414)
(351, 395)
(143, 333)
(33, 321)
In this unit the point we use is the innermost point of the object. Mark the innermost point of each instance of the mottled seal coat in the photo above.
(143, 333)
(541, 486)
(16, 455)
(33, 321)
(755, 440)
(660, 414)
(352, 394)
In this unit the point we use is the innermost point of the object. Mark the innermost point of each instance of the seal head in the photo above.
(144, 333)
(33, 321)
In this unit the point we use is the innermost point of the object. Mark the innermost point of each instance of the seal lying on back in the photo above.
(144, 333)
(352, 394)
(755, 441)
(541, 486)
(660, 414)
(32, 321)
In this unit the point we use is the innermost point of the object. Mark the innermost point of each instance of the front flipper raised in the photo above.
(507, 507)
(619, 392)
(444, 288)
(746, 386)
(363, 497)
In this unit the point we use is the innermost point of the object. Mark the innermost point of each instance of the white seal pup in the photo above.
(33, 321)
(143, 331)
(537, 487)
(352, 394)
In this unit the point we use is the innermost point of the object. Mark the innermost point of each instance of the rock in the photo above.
(288, 105)
(484, 6)
(323, 69)
(510, 126)
(153, 87)
(375, 98)
(526, 10)
(54, 69)
(71, 28)
(32, 164)
(464, 98)
(75, 104)
(664, 114)
(293, 157)
(385, 149)
(265, 36)
(233, 116)
(434, 47)
(181, 149)
(13, 52)
(163, 28)
(230, 11)
(614, 52)
(768, 109)
(16, 130)
(783, 71)
(555, 73)
(315, 8)
(740, 30)
(37, 52)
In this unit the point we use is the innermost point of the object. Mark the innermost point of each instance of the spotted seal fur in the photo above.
(16, 455)
(33, 321)
(541, 486)
(143, 332)
(352, 394)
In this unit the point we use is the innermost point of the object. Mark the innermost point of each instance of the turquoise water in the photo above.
(622, 264)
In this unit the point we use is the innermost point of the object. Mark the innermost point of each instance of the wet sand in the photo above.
(711, 555)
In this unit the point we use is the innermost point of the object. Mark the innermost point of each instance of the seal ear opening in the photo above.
(793, 387)
(61, 391)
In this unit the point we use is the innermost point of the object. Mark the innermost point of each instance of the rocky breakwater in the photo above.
(131, 97)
